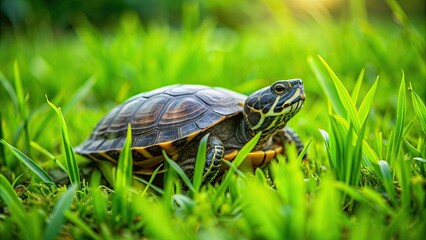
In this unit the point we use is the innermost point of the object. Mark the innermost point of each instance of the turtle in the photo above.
(175, 118)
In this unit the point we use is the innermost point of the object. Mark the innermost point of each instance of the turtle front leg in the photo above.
(287, 136)
(214, 155)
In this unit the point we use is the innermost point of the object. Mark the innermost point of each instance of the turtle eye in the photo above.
(279, 88)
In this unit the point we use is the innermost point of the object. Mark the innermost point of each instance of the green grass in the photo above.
(363, 119)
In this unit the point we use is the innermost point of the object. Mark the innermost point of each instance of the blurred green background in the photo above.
(233, 13)
(119, 48)
(89, 56)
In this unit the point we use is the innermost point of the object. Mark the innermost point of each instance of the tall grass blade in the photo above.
(180, 172)
(344, 96)
(149, 184)
(125, 163)
(413, 151)
(387, 180)
(99, 199)
(398, 12)
(23, 108)
(328, 87)
(72, 166)
(37, 170)
(8, 194)
(364, 108)
(365, 196)
(120, 205)
(200, 163)
(357, 87)
(19, 90)
(237, 162)
(403, 173)
(419, 109)
(304, 150)
(357, 157)
(396, 140)
(57, 217)
(14, 204)
(80, 94)
(151, 179)
(378, 144)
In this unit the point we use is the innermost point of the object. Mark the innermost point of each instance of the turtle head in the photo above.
(270, 108)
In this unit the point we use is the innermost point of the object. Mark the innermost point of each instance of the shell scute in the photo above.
(182, 109)
(147, 115)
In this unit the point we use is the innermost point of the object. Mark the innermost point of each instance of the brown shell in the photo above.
(161, 118)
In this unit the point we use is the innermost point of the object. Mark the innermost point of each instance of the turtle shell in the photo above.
(165, 118)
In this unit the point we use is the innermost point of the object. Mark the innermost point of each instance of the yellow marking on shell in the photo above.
(149, 162)
(230, 156)
(278, 150)
(168, 147)
(256, 158)
(270, 154)
(191, 136)
(103, 154)
(256, 155)
(154, 161)
(144, 152)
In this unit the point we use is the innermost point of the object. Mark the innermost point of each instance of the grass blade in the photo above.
(364, 108)
(237, 162)
(304, 150)
(121, 211)
(80, 94)
(11, 199)
(387, 179)
(19, 90)
(37, 170)
(71, 161)
(99, 199)
(200, 163)
(179, 171)
(14, 204)
(57, 217)
(344, 97)
(419, 109)
(396, 140)
(125, 163)
(22, 103)
(357, 87)
(151, 179)
(328, 87)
